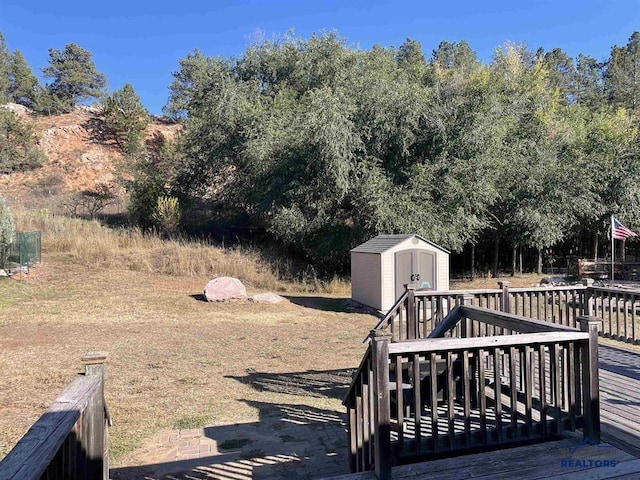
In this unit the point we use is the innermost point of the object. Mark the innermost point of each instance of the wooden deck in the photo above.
(566, 458)
(620, 397)
(620, 423)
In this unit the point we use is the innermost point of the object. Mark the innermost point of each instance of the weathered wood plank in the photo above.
(482, 396)
(450, 401)
(513, 390)
(458, 344)
(449, 322)
(33, 453)
(542, 379)
(399, 399)
(528, 389)
(517, 323)
(536, 461)
(417, 405)
(353, 444)
(382, 413)
(497, 385)
(467, 394)
(433, 380)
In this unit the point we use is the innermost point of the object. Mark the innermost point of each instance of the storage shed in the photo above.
(382, 266)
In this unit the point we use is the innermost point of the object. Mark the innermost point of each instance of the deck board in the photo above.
(620, 397)
(533, 462)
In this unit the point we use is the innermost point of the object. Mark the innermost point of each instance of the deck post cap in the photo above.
(94, 358)
(379, 334)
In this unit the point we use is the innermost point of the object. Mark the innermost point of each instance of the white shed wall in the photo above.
(442, 270)
(388, 269)
(366, 284)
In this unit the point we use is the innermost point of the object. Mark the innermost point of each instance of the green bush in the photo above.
(167, 214)
(7, 232)
(18, 151)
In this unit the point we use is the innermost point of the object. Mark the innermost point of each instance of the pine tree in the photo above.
(23, 85)
(17, 148)
(126, 117)
(622, 78)
(75, 78)
(5, 56)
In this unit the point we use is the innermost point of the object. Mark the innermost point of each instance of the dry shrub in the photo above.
(89, 243)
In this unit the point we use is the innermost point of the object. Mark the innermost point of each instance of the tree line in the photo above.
(320, 145)
(323, 145)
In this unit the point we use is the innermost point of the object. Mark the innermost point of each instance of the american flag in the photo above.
(620, 232)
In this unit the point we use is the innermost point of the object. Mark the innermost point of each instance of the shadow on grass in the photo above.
(290, 441)
(199, 297)
(331, 304)
(318, 384)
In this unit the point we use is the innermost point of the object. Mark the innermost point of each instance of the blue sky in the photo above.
(140, 42)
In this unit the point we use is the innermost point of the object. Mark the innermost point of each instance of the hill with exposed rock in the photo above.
(81, 156)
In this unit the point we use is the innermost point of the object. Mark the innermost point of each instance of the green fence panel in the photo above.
(26, 248)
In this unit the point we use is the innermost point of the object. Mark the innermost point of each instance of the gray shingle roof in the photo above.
(382, 243)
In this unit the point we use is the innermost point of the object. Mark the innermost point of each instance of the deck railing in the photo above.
(618, 310)
(70, 440)
(467, 388)
(418, 312)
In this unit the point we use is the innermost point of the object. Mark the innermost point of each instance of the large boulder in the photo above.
(223, 289)
(268, 297)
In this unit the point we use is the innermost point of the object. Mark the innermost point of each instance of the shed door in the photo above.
(415, 267)
(426, 269)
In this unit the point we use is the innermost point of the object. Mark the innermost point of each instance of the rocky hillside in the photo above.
(80, 156)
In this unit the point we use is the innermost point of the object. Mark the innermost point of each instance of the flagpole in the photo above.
(613, 255)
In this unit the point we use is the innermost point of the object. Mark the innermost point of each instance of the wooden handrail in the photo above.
(69, 440)
(509, 320)
(491, 291)
(428, 345)
(390, 314)
(356, 375)
(635, 291)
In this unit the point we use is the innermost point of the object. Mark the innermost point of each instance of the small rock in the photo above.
(222, 289)
(268, 297)
(554, 280)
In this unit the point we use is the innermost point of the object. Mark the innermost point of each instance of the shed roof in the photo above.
(382, 243)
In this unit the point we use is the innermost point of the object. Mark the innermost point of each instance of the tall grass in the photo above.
(90, 243)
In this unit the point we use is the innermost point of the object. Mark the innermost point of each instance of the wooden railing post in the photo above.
(467, 300)
(381, 403)
(506, 301)
(590, 379)
(411, 312)
(95, 437)
(588, 304)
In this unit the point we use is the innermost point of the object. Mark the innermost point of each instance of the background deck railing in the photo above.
(462, 390)
(70, 440)
(418, 312)
(618, 310)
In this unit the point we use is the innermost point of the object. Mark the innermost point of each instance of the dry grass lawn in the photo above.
(174, 360)
(172, 357)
